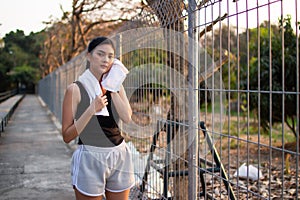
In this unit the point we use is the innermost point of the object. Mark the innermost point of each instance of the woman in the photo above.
(102, 163)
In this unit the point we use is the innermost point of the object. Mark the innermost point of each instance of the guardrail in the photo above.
(7, 94)
(7, 108)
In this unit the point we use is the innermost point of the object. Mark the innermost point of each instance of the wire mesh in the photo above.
(214, 89)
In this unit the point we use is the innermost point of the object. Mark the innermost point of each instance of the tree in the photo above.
(277, 78)
(69, 36)
(25, 76)
(19, 50)
(170, 15)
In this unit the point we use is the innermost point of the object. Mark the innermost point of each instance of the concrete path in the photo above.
(34, 161)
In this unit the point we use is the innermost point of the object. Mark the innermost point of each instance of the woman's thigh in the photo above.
(80, 196)
(117, 195)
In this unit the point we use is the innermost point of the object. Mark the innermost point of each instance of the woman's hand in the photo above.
(98, 103)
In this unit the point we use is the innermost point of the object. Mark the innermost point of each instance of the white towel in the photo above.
(92, 86)
(113, 80)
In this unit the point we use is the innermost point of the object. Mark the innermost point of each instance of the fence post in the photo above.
(119, 45)
(193, 100)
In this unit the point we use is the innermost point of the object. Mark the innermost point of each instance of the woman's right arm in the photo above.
(70, 102)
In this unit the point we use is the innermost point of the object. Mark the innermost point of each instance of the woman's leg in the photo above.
(80, 196)
(117, 195)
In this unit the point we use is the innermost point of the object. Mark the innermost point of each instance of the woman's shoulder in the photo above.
(73, 87)
(73, 90)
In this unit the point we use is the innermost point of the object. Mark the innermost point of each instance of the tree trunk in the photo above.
(169, 15)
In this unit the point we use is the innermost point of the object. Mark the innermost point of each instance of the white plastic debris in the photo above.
(155, 182)
(250, 172)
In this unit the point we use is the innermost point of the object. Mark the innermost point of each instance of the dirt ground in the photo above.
(280, 177)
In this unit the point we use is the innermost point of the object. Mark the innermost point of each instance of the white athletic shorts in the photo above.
(96, 169)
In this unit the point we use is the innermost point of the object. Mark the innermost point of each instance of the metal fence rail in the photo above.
(231, 65)
(5, 95)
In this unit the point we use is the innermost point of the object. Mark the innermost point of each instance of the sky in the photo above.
(258, 12)
(28, 15)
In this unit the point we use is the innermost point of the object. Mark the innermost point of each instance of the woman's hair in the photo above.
(100, 40)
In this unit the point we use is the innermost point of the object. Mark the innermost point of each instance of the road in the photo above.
(34, 161)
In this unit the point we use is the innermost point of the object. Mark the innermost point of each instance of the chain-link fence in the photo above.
(214, 89)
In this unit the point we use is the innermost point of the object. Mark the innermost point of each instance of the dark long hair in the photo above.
(100, 40)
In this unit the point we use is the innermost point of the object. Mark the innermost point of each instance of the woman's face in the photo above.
(101, 59)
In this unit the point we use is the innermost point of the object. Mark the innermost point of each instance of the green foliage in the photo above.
(25, 74)
(273, 73)
(140, 57)
(20, 51)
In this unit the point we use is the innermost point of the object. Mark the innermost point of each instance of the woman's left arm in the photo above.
(122, 105)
